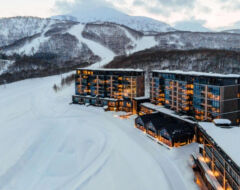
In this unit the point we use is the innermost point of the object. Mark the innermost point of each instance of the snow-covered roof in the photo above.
(112, 69)
(228, 139)
(109, 99)
(222, 122)
(167, 111)
(141, 98)
(194, 73)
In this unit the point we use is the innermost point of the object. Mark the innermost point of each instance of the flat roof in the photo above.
(113, 69)
(194, 73)
(169, 112)
(226, 138)
(141, 98)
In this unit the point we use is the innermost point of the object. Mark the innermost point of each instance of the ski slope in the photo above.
(46, 143)
(104, 53)
(140, 44)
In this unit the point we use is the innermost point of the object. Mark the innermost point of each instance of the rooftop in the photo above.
(168, 112)
(172, 125)
(112, 69)
(194, 73)
(222, 122)
(227, 138)
(141, 98)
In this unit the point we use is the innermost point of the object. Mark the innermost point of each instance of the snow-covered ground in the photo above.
(46, 143)
(106, 54)
(4, 65)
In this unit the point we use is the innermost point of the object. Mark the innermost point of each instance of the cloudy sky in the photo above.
(209, 14)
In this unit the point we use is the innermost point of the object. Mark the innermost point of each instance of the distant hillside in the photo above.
(32, 46)
(206, 60)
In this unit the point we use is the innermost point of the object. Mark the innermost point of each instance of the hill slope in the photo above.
(106, 14)
(205, 60)
(40, 47)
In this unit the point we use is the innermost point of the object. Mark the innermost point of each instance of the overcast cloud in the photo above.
(212, 14)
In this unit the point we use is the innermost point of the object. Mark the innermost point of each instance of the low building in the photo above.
(112, 88)
(148, 108)
(218, 159)
(137, 103)
(171, 131)
(206, 96)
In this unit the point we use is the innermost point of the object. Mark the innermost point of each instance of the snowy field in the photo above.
(48, 144)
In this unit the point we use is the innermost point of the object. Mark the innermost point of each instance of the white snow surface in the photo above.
(142, 43)
(106, 54)
(46, 143)
(227, 139)
(222, 121)
(30, 48)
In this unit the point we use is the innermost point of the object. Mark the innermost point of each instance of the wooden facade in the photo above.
(168, 130)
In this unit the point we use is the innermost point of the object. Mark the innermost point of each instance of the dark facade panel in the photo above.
(230, 92)
(229, 106)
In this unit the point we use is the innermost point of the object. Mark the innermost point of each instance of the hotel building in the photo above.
(205, 96)
(217, 163)
(112, 88)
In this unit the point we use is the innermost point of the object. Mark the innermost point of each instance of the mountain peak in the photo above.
(108, 14)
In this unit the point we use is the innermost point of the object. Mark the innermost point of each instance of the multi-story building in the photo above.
(217, 163)
(205, 96)
(172, 90)
(114, 88)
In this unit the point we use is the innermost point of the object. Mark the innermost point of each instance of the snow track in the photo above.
(45, 143)
(106, 54)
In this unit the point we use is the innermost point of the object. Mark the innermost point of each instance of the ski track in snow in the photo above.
(140, 44)
(106, 54)
(45, 143)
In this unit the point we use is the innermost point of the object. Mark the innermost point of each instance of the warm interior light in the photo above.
(207, 159)
(216, 173)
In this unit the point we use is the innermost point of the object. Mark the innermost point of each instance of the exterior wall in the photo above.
(178, 95)
(144, 110)
(162, 134)
(220, 164)
(120, 86)
(206, 102)
(137, 104)
(157, 90)
(206, 98)
(230, 92)
(140, 86)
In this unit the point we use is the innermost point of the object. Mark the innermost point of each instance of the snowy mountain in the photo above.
(16, 28)
(198, 40)
(47, 46)
(233, 31)
(65, 17)
(68, 39)
(191, 25)
(40, 47)
(106, 14)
